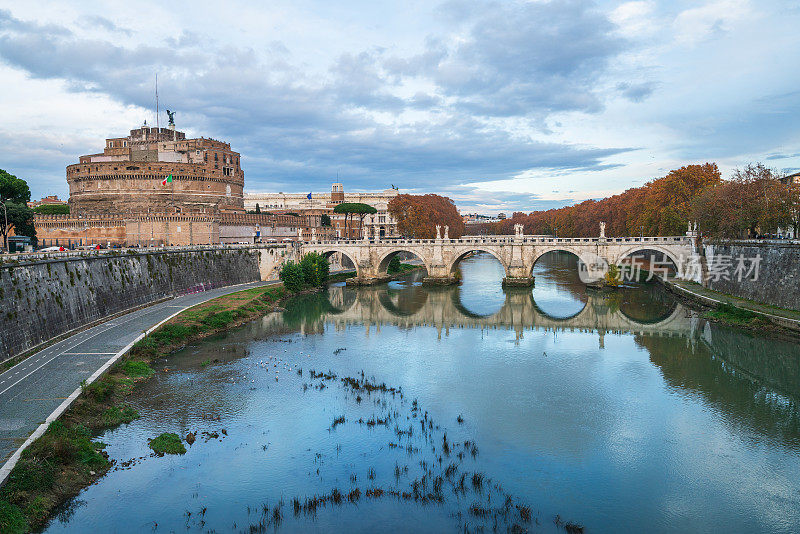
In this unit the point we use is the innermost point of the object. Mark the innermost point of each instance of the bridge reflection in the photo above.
(441, 308)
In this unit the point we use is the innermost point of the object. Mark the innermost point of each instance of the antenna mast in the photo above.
(157, 127)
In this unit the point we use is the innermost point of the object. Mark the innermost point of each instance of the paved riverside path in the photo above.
(31, 390)
(792, 316)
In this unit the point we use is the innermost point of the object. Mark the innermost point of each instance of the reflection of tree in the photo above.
(307, 309)
(645, 306)
(754, 382)
(561, 269)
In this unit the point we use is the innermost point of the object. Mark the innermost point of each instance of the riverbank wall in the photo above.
(777, 278)
(43, 297)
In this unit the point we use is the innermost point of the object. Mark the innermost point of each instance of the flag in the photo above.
(308, 196)
(167, 180)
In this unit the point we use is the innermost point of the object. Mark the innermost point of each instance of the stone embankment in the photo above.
(45, 296)
(778, 271)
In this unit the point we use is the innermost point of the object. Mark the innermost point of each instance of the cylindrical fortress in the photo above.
(133, 173)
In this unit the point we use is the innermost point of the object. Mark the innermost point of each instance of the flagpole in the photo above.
(158, 129)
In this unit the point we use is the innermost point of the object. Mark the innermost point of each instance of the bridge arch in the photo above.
(328, 252)
(669, 254)
(588, 258)
(386, 257)
(461, 253)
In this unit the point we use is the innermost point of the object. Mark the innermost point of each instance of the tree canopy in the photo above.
(418, 215)
(662, 206)
(754, 201)
(52, 209)
(355, 208)
(13, 189)
(15, 194)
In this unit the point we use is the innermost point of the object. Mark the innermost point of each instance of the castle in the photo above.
(154, 187)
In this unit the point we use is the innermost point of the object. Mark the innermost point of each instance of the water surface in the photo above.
(623, 412)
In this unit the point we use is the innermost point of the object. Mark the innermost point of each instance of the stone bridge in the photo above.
(442, 309)
(518, 254)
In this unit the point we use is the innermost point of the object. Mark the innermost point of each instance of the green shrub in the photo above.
(52, 209)
(137, 369)
(292, 276)
(612, 276)
(394, 265)
(312, 271)
(167, 443)
(316, 269)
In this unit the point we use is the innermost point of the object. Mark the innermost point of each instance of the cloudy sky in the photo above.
(506, 105)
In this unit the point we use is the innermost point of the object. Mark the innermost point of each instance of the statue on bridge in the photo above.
(438, 232)
(602, 229)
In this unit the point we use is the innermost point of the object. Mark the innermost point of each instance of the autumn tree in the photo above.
(661, 207)
(418, 215)
(754, 201)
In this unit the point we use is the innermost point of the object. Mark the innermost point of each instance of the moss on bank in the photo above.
(64, 460)
(55, 467)
(167, 443)
(725, 313)
(402, 268)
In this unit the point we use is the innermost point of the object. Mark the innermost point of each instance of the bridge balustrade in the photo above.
(508, 240)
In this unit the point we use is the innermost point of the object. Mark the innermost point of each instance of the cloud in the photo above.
(105, 24)
(519, 58)
(636, 92)
(709, 20)
(294, 126)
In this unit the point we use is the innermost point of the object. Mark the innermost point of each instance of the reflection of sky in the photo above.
(481, 290)
(558, 291)
(596, 431)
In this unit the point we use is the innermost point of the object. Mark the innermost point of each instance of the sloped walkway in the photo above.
(782, 316)
(31, 390)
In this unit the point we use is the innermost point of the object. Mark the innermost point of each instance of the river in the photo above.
(624, 412)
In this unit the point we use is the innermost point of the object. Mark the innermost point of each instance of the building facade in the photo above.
(154, 187)
(203, 176)
(50, 200)
(381, 224)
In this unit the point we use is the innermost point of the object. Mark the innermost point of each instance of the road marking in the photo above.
(51, 398)
(87, 353)
(107, 326)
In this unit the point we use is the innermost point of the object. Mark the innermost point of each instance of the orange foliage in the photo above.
(660, 207)
(418, 215)
(753, 202)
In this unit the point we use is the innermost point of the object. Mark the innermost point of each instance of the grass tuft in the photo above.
(117, 415)
(137, 369)
(167, 443)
